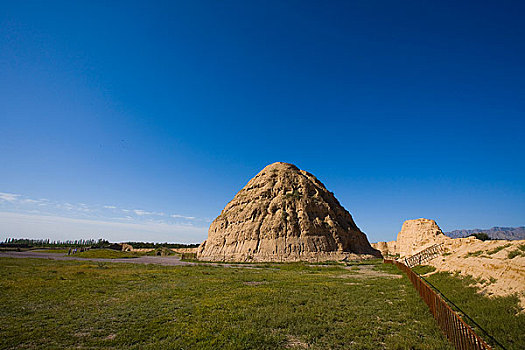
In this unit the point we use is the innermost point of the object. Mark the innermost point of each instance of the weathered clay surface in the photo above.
(284, 214)
(386, 248)
(416, 235)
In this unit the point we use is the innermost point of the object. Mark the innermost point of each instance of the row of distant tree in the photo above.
(481, 235)
(138, 245)
(100, 243)
(47, 243)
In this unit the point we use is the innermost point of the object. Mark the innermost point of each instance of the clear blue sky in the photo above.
(141, 120)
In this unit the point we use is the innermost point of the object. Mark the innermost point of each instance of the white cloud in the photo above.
(63, 228)
(15, 203)
(9, 197)
(30, 201)
(140, 212)
(177, 216)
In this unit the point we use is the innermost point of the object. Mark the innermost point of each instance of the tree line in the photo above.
(139, 245)
(47, 243)
(100, 243)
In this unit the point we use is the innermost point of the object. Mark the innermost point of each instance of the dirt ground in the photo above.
(167, 260)
(367, 271)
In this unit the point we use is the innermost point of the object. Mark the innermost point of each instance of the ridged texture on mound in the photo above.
(284, 214)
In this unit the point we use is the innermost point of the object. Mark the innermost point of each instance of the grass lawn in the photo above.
(53, 250)
(498, 315)
(61, 304)
(96, 253)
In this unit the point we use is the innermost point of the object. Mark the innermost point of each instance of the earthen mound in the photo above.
(416, 235)
(284, 214)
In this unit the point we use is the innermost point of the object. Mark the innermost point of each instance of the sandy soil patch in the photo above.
(366, 271)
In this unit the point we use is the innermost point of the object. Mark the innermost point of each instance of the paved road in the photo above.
(167, 261)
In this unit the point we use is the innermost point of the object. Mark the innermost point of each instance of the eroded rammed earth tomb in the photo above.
(284, 214)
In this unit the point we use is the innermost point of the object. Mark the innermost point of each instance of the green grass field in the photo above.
(65, 304)
(97, 253)
(53, 250)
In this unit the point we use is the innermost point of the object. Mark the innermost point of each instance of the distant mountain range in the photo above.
(510, 233)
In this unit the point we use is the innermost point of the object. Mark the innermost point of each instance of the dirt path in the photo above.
(166, 261)
(367, 271)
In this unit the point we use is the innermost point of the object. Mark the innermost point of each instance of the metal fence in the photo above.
(457, 331)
